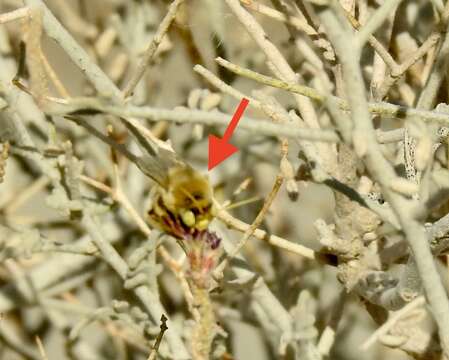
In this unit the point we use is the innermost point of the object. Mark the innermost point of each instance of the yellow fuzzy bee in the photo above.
(182, 203)
(181, 200)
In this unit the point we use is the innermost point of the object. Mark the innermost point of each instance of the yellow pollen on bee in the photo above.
(202, 224)
(188, 218)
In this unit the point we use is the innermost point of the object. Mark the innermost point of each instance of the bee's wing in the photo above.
(157, 167)
(156, 161)
(146, 146)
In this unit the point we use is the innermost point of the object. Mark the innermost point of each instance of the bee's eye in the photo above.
(197, 196)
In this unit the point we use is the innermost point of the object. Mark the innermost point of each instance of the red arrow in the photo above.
(221, 149)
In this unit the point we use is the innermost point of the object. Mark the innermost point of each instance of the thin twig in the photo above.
(158, 341)
(274, 240)
(194, 117)
(15, 15)
(275, 57)
(378, 108)
(252, 228)
(41, 348)
(419, 301)
(376, 44)
(79, 56)
(277, 15)
(223, 87)
(152, 48)
(376, 20)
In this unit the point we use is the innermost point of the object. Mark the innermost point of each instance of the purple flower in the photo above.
(212, 239)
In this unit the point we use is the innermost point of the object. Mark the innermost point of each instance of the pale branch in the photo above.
(223, 87)
(382, 171)
(377, 108)
(91, 106)
(428, 95)
(275, 58)
(298, 23)
(376, 20)
(14, 15)
(149, 53)
(418, 302)
(77, 54)
(274, 240)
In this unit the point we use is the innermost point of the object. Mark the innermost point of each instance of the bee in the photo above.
(181, 200)
(182, 204)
